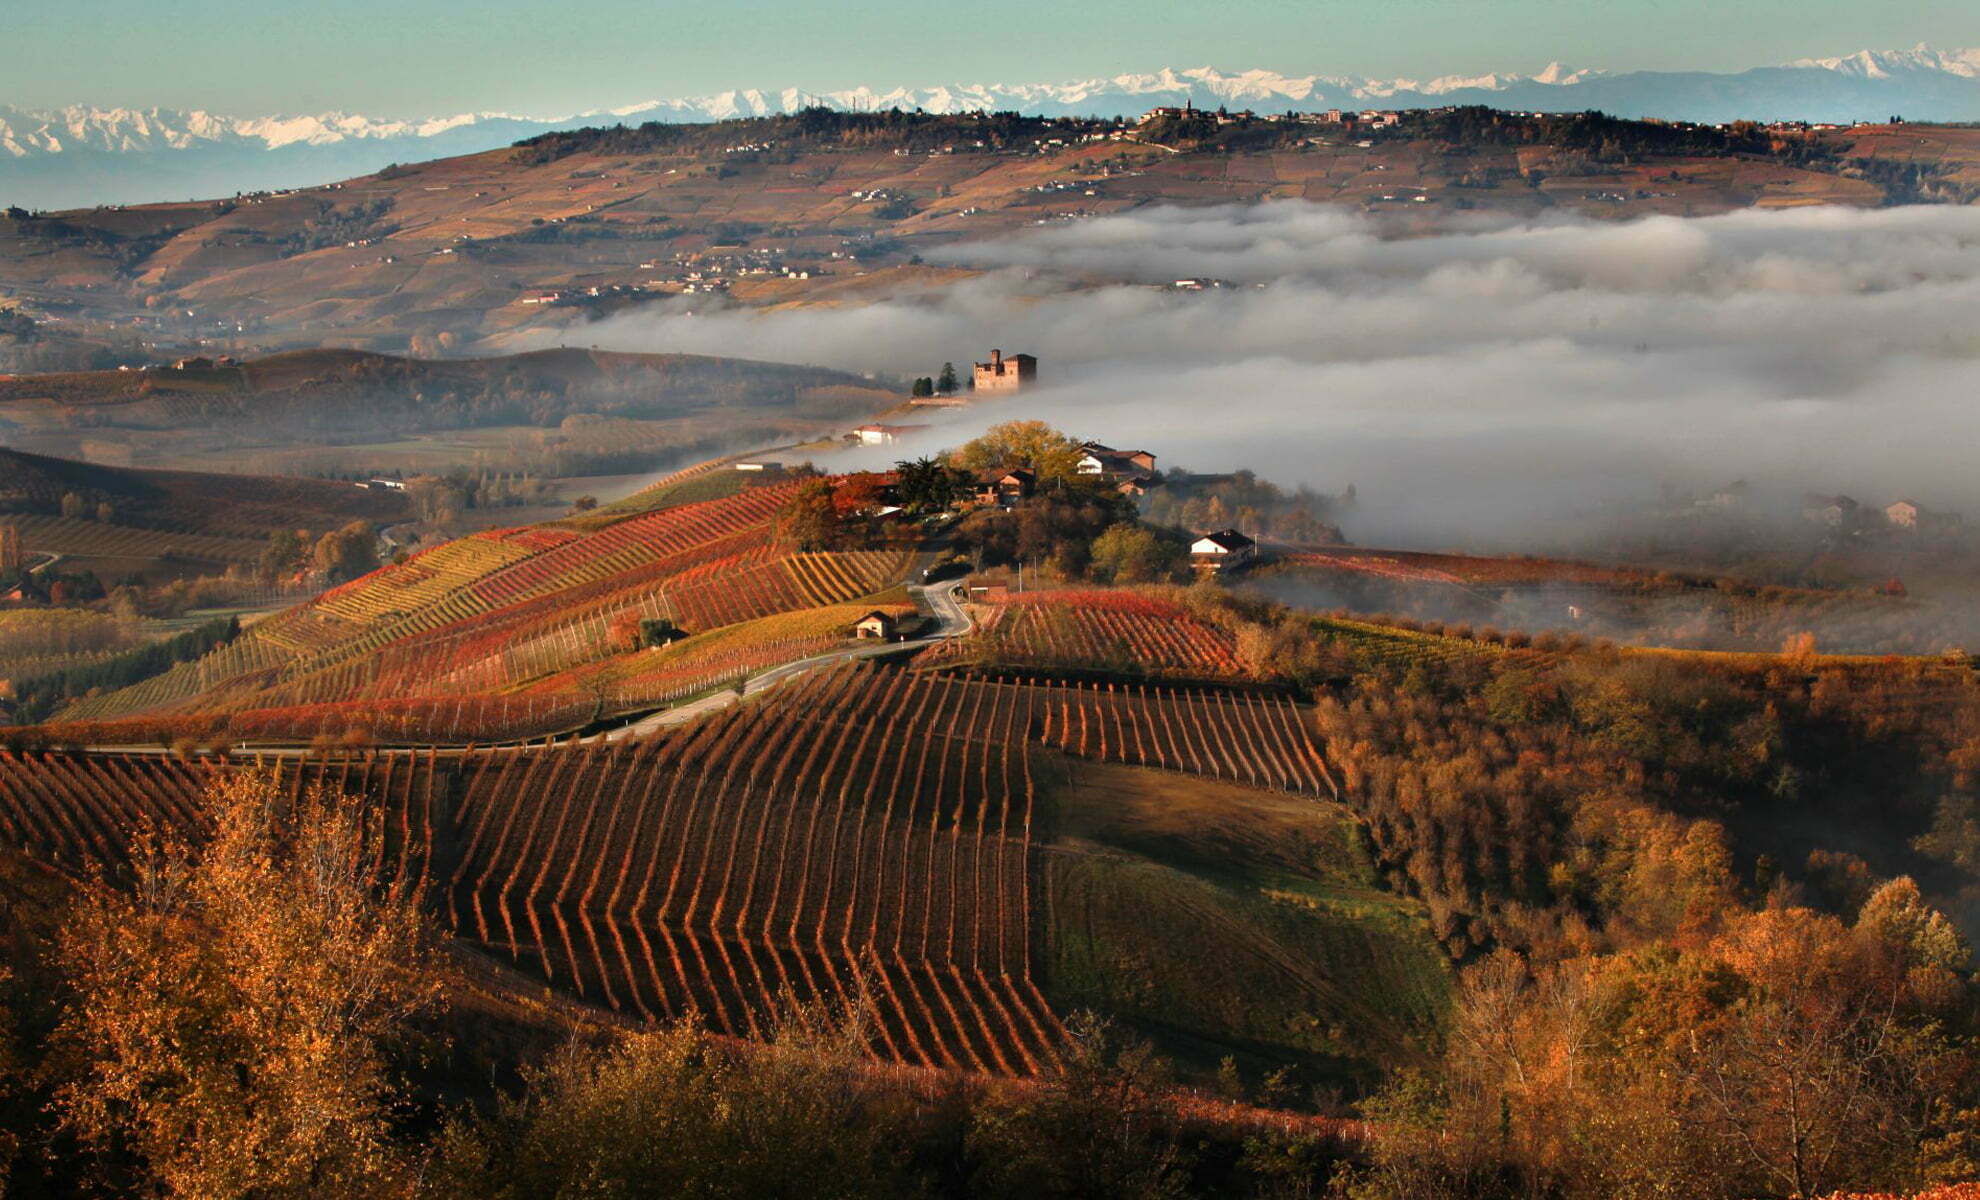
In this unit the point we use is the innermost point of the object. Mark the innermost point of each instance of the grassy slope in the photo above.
(1227, 920)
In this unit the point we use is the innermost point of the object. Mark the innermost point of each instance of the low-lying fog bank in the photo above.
(1695, 617)
(1504, 386)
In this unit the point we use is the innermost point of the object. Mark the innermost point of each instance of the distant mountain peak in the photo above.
(1885, 64)
(81, 155)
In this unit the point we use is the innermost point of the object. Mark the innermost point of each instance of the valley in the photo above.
(1484, 803)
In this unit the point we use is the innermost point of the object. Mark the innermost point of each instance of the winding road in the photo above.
(941, 600)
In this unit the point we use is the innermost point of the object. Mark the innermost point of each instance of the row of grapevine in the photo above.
(81, 538)
(1240, 736)
(1121, 630)
(862, 833)
(80, 812)
(628, 544)
(434, 720)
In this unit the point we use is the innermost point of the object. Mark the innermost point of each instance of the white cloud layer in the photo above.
(1490, 383)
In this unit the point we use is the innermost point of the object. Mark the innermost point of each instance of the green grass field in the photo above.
(1223, 920)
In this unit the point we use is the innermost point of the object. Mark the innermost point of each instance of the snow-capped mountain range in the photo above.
(81, 155)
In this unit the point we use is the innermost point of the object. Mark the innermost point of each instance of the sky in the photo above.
(414, 58)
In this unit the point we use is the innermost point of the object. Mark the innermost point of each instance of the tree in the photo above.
(927, 484)
(237, 1005)
(285, 553)
(585, 503)
(1135, 554)
(1095, 1127)
(946, 382)
(1052, 455)
(347, 553)
(924, 386)
(672, 1113)
(810, 518)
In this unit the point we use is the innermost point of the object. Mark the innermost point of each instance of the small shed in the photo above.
(877, 625)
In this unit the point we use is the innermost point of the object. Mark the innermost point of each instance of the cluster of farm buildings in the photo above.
(1131, 473)
(1840, 513)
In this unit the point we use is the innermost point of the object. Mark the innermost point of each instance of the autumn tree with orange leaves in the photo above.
(236, 1002)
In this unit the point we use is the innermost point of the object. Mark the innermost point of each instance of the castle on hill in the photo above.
(1001, 374)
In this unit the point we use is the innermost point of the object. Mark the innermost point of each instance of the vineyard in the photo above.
(862, 834)
(94, 539)
(1371, 643)
(500, 609)
(1127, 632)
(1462, 569)
(662, 675)
(1245, 738)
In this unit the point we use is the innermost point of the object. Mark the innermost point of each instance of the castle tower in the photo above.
(10, 549)
(1002, 374)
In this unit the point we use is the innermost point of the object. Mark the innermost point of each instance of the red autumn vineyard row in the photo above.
(1122, 630)
(863, 833)
(410, 721)
(79, 812)
(490, 586)
(1239, 736)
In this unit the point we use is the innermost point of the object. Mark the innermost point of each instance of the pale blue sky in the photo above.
(401, 58)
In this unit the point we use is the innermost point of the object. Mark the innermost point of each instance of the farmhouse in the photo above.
(1222, 551)
(1911, 515)
(876, 625)
(1005, 486)
(883, 435)
(1833, 511)
(1004, 375)
(1096, 459)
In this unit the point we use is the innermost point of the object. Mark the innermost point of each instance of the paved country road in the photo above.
(951, 622)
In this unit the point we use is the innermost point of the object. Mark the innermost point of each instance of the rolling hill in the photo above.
(277, 413)
(121, 522)
(542, 236)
